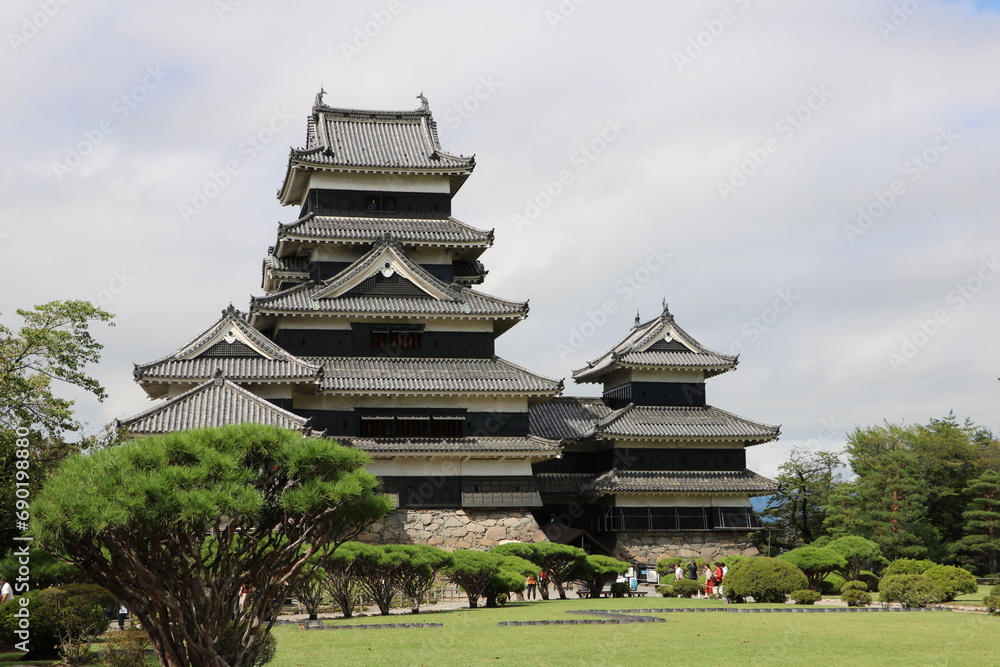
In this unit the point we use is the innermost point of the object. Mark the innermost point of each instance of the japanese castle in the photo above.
(370, 331)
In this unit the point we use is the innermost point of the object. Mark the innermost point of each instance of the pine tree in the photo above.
(982, 520)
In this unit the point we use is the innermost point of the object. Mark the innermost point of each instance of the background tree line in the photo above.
(927, 491)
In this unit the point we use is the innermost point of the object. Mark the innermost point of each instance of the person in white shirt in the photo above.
(6, 592)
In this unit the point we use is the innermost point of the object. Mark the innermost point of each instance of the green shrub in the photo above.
(909, 590)
(619, 589)
(908, 566)
(953, 580)
(869, 579)
(815, 562)
(40, 637)
(995, 590)
(685, 588)
(764, 579)
(854, 586)
(831, 584)
(806, 596)
(666, 591)
(992, 603)
(856, 598)
(729, 561)
(126, 649)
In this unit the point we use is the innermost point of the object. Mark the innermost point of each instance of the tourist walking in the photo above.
(531, 584)
(678, 572)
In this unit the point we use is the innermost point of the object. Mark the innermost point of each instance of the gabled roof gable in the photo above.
(658, 343)
(386, 259)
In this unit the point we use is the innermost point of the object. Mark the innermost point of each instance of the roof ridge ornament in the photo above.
(424, 104)
(636, 325)
(319, 98)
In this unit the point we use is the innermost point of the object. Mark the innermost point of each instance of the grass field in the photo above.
(472, 637)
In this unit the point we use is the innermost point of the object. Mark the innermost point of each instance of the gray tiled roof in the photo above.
(568, 417)
(640, 481)
(371, 141)
(382, 375)
(422, 231)
(245, 369)
(189, 362)
(679, 351)
(287, 264)
(453, 445)
(217, 402)
(386, 139)
(575, 418)
(655, 422)
(455, 300)
(565, 483)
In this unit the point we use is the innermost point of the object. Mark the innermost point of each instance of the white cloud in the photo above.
(655, 184)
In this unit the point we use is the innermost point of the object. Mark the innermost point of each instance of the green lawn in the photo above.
(472, 637)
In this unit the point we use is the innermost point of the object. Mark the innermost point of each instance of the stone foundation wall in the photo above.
(455, 528)
(651, 547)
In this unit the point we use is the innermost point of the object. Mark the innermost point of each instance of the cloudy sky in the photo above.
(814, 187)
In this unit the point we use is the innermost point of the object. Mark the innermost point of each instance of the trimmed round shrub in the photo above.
(806, 596)
(856, 598)
(995, 590)
(685, 588)
(666, 591)
(832, 584)
(41, 638)
(909, 590)
(908, 566)
(764, 579)
(854, 586)
(992, 604)
(869, 579)
(619, 589)
(953, 580)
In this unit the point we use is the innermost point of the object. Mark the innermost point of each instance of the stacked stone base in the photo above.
(455, 528)
(651, 547)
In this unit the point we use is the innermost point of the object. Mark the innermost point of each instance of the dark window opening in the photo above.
(674, 519)
(391, 339)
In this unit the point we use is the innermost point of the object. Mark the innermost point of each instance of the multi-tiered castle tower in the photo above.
(650, 469)
(369, 331)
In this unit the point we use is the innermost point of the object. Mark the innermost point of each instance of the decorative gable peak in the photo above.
(386, 260)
